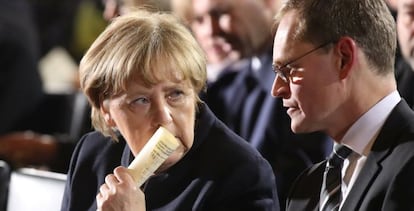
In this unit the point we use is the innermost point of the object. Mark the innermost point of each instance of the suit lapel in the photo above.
(382, 147)
(265, 113)
(234, 96)
(304, 194)
(366, 177)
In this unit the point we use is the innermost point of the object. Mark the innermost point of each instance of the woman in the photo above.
(145, 71)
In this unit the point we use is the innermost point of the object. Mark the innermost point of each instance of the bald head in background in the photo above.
(114, 8)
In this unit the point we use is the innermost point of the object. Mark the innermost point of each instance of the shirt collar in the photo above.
(363, 132)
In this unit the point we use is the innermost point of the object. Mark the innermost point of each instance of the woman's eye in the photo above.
(176, 95)
(141, 100)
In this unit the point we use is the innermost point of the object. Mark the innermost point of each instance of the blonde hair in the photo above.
(143, 45)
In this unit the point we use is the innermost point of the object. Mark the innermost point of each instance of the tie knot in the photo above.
(342, 151)
(339, 154)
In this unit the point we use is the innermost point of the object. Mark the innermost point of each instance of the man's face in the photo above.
(405, 27)
(225, 26)
(313, 91)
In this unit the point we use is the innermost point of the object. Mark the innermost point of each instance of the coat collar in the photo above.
(204, 121)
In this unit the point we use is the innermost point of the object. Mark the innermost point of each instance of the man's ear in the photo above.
(107, 114)
(346, 49)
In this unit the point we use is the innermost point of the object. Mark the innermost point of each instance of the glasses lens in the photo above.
(283, 73)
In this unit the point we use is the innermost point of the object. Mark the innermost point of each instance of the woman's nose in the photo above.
(162, 114)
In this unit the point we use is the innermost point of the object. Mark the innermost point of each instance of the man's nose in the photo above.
(280, 88)
(212, 26)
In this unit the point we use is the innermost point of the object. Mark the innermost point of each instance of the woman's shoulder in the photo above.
(94, 144)
(211, 134)
(95, 139)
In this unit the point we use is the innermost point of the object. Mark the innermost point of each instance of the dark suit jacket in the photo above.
(220, 172)
(405, 81)
(386, 180)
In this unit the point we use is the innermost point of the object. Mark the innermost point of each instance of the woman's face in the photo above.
(139, 111)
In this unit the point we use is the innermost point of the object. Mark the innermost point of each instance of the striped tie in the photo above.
(331, 187)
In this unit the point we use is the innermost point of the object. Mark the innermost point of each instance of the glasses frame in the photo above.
(284, 71)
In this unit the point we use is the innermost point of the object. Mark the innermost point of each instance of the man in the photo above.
(240, 94)
(206, 29)
(335, 72)
(404, 67)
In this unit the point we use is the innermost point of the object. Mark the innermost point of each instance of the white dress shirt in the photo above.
(361, 136)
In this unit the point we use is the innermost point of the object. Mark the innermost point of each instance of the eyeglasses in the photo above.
(285, 72)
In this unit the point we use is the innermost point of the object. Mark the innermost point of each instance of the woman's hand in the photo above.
(119, 193)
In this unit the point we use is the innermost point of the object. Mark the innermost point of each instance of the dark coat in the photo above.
(220, 172)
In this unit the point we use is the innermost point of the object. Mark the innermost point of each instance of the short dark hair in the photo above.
(368, 22)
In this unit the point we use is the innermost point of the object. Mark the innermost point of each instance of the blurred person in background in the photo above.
(32, 130)
(20, 83)
(55, 22)
(239, 31)
(114, 8)
(145, 71)
(219, 53)
(405, 66)
(21, 86)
